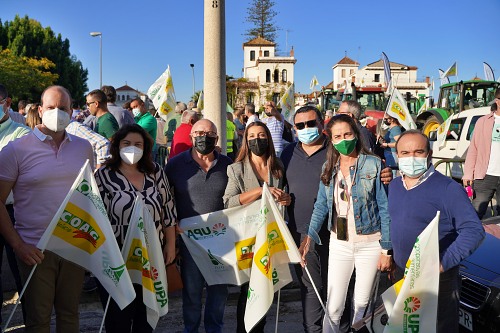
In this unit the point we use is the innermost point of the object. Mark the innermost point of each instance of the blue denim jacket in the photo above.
(369, 199)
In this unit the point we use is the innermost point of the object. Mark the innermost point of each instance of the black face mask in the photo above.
(387, 122)
(258, 146)
(204, 144)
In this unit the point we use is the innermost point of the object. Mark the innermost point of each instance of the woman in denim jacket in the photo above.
(352, 194)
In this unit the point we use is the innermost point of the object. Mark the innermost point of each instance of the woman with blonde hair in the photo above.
(32, 115)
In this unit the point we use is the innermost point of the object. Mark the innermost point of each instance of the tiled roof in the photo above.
(380, 63)
(259, 41)
(347, 61)
(125, 87)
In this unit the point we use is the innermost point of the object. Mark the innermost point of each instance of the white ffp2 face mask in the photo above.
(131, 154)
(56, 119)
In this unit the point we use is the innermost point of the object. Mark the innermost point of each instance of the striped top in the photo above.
(118, 195)
(276, 128)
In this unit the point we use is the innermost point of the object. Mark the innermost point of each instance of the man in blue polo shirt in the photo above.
(414, 199)
(198, 177)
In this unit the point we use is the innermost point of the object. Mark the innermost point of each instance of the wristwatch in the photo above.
(386, 252)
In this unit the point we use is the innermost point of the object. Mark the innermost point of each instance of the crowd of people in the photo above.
(347, 209)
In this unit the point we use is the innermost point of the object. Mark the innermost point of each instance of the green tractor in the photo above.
(454, 98)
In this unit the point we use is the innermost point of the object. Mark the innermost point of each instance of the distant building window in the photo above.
(276, 98)
(276, 76)
(283, 75)
(128, 97)
(268, 75)
(266, 53)
(343, 73)
(377, 78)
(250, 97)
(351, 71)
(252, 55)
(123, 97)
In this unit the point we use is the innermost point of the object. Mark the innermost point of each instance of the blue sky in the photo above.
(141, 38)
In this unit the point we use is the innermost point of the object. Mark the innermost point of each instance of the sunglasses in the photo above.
(210, 134)
(309, 123)
(89, 103)
(343, 187)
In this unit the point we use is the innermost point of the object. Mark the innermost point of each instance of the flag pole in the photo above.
(277, 311)
(104, 315)
(319, 297)
(42, 249)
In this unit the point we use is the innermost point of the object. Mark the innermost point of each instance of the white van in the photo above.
(457, 141)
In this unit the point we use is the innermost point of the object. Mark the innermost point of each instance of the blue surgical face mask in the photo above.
(413, 167)
(308, 135)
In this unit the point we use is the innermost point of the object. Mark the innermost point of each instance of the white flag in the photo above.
(411, 303)
(444, 79)
(314, 83)
(199, 103)
(144, 259)
(274, 250)
(442, 132)
(387, 69)
(81, 233)
(163, 95)
(452, 71)
(397, 108)
(488, 72)
(287, 103)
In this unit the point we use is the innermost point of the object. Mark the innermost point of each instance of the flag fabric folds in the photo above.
(397, 108)
(387, 69)
(452, 71)
(442, 132)
(143, 256)
(444, 79)
(488, 72)
(411, 303)
(163, 95)
(199, 103)
(274, 249)
(287, 103)
(81, 233)
(314, 83)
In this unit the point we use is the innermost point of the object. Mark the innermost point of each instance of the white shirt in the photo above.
(253, 118)
(494, 163)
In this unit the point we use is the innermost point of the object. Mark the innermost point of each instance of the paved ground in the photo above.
(290, 318)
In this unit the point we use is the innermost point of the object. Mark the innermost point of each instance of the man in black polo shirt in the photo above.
(303, 162)
(199, 177)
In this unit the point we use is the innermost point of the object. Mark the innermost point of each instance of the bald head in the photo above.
(413, 143)
(204, 125)
(57, 92)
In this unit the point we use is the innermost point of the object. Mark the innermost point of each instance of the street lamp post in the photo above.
(192, 68)
(96, 34)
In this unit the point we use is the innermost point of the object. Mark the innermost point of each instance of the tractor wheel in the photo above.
(431, 124)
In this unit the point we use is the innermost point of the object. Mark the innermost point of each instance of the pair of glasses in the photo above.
(309, 123)
(210, 134)
(343, 187)
(89, 103)
(3, 101)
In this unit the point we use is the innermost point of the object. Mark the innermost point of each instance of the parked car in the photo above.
(457, 141)
(480, 290)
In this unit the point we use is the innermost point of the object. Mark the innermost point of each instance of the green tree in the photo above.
(25, 78)
(26, 37)
(261, 15)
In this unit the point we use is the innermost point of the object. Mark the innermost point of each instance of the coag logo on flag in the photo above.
(275, 243)
(138, 259)
(244, 253)
(78, 228)
(396, 108)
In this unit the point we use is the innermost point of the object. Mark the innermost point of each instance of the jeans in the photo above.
(448, 299)
(484, 189)
(194, 282)
(11, 258)
(344, 257)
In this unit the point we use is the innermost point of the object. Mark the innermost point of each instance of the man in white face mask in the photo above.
(414, 199)
(40, 168)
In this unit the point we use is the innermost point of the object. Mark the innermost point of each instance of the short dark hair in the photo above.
(98, 95)
(137, 99)
(250, 107)
(146, 163)
(414, 131)
(3, 92)
(308, 108)
(75, 104)
(110, 93)
(21, 104)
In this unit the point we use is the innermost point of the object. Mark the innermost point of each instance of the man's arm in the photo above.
(29, 254)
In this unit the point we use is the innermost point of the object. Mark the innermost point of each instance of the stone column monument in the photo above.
(214, 67)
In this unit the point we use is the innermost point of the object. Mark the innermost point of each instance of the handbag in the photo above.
(174, 279)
